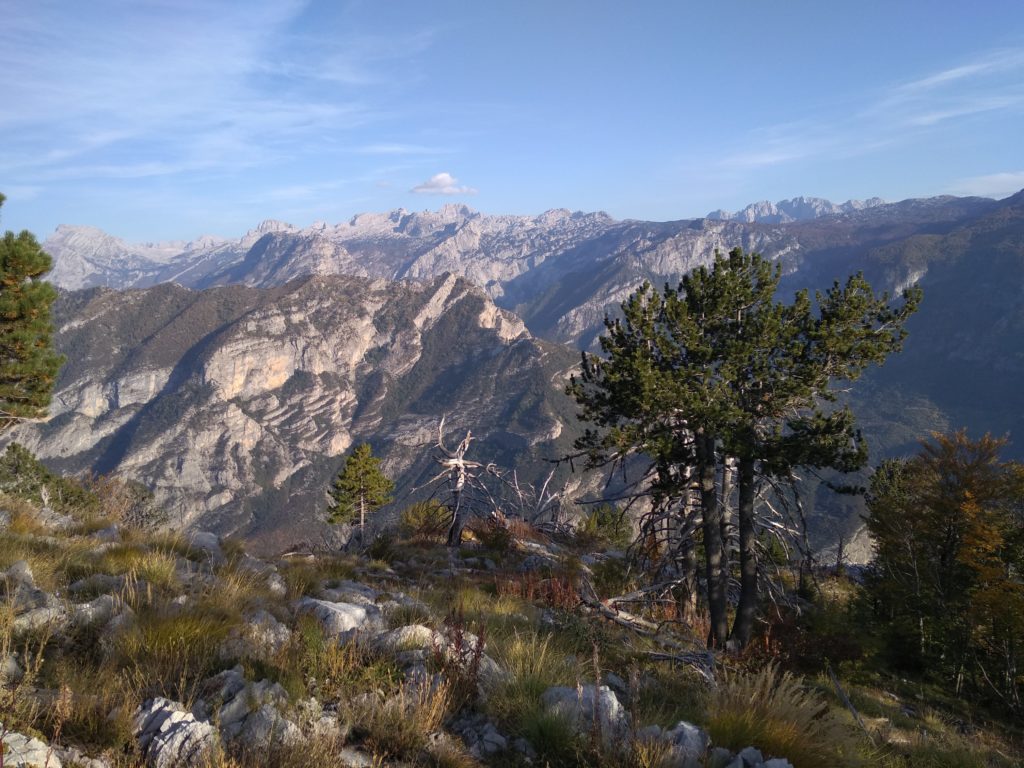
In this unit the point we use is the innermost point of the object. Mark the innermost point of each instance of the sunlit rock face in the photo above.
(236, 404)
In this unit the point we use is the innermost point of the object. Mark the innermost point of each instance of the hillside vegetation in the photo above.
(123, 646)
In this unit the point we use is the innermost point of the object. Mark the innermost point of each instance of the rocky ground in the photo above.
(120, 648)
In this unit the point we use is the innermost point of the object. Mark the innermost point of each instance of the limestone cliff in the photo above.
(236, 404)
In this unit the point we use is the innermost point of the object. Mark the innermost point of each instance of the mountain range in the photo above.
(231, 374)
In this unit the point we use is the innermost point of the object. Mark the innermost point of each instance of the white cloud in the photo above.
(442, 184)
(997, 185)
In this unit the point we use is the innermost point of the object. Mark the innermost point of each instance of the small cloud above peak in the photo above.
(442, 184)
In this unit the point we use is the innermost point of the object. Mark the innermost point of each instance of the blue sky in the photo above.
(167, 120)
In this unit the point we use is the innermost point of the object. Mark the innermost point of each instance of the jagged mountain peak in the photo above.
(795, 209)
(271, 225)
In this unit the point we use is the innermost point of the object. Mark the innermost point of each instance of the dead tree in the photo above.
(459, 472)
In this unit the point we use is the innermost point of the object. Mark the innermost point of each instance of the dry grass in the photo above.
(171, 653)
(774, 712)
(533, 663)
(400, 726)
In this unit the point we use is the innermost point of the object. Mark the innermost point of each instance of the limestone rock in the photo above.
(170, 737)
(581, 706)
(261, 636)
(25, 752)
(341, 621)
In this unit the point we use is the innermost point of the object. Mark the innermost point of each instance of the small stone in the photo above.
(751, 756)
(10, 670)
(719, 757)
(353, 758)
(777, 762)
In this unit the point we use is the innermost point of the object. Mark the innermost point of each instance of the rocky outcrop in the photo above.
(171, 737)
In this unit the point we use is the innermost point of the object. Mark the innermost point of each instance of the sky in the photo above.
(172, 119)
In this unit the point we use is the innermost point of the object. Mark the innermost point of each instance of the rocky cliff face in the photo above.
(236, 404)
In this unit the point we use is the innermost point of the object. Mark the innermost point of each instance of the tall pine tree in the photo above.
(717, 374)
(360, 488)
(28, 363)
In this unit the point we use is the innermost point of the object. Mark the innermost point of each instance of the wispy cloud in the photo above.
(997, 185)
(992, 83)
(114, 90)
(442, 184)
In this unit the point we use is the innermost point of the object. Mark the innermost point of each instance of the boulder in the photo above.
(10, 669)
(341, 621)
(581, 706)
(209, 544)
(751, 756)
(25, 752)
(267, 727)
(261, 636)
(349, 592)
(688, 743)
(98, 611)
(171, 737)
(47, 616)
(411, 637)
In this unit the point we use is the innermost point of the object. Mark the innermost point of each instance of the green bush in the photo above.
(424, 519)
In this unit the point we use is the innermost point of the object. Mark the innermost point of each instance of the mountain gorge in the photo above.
(231, 375)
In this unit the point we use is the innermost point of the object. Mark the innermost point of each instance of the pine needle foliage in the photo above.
(28, 362)
(360, 488)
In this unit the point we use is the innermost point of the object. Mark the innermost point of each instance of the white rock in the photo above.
(170, 737)
(25, 752)
(342, 620)
(413, 636)
(100, 610)
(578, 706)
(266, 728)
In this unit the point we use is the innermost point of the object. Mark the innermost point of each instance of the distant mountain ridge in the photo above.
(794, 209)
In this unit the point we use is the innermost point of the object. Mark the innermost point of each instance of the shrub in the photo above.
(776, 714)
(492, 535)
(424, 519)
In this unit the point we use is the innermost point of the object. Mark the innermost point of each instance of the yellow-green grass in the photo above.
(776, 713)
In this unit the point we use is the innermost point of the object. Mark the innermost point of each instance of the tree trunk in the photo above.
(746, 611)
(362, 514)
(455, 531)
(688, 565)
(717, 596)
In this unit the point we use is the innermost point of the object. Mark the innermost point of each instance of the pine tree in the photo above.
(716, 373)
(28, 363)
(360, 488)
